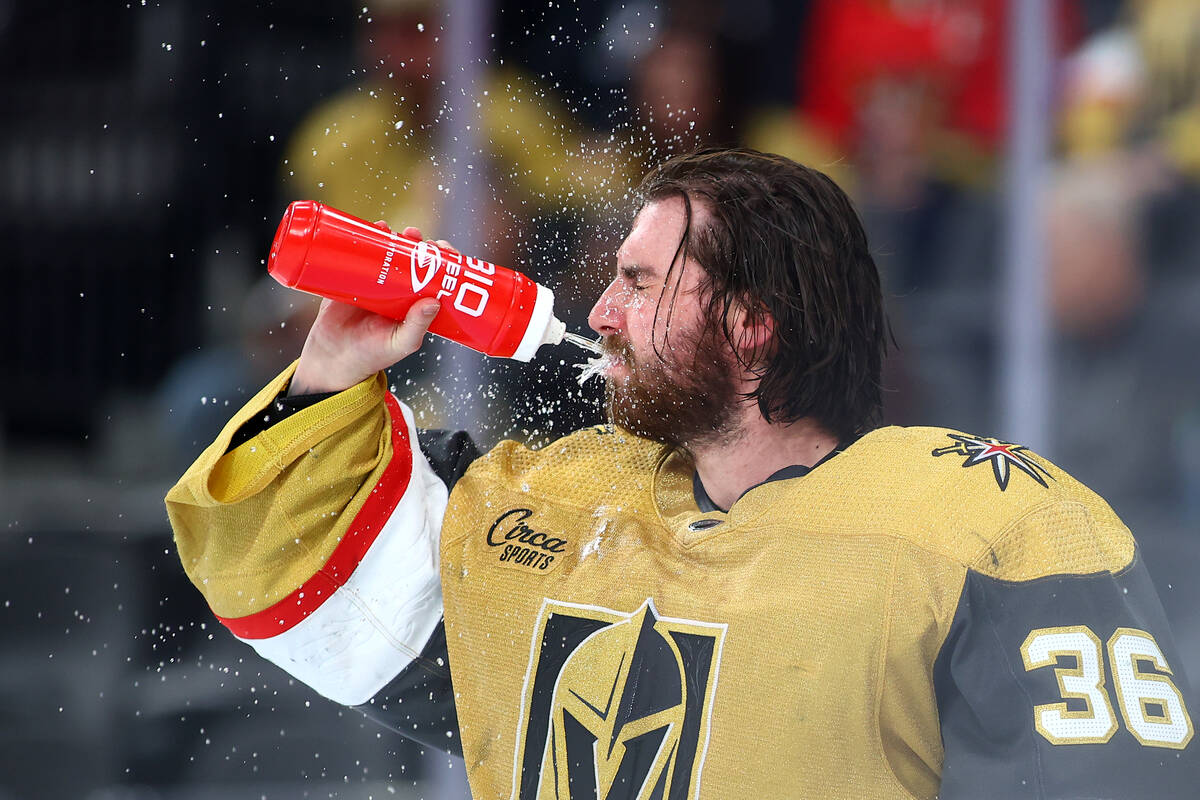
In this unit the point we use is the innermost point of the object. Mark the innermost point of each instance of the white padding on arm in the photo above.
(373, 627)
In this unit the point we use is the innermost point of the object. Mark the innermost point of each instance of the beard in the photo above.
(685, 398)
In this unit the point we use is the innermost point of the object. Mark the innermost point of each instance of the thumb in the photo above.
(407, 337)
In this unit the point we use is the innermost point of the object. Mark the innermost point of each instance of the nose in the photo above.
(607, 316)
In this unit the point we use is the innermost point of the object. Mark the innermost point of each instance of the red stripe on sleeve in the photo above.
(349, 551)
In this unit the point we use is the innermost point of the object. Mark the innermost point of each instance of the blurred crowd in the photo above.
(151, 148)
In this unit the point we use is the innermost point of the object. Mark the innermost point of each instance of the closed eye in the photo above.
(636, 276)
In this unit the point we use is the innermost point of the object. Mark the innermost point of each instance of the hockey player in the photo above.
(741, 588)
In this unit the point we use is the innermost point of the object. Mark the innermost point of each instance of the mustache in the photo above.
(617, 348)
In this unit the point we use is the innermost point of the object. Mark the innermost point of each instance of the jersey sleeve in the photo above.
(1064, 686)
(315, 540)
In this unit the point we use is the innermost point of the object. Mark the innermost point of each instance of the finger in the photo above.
(442, 243)
(383, 224)
(409, 334)
(413, 233)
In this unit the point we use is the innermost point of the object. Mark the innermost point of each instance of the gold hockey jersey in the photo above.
(927, 612)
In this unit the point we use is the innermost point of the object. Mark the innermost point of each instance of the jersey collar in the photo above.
(705, 503)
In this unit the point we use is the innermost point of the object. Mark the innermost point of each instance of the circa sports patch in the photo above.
(521, 543)
(615, 705)
(1001, 455)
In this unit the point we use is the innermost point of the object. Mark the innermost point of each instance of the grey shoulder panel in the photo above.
(449, 453)
(1068, 686)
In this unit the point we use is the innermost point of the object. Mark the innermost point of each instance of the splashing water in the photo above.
(593, 367)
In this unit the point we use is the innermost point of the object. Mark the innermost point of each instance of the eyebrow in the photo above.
(635, 272)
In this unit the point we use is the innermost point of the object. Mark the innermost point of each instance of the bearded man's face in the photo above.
(670, 375)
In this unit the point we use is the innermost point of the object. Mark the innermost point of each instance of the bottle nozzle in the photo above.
(556, 329)
(545, 328)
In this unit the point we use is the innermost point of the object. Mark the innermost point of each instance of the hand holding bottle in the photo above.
(348, 344)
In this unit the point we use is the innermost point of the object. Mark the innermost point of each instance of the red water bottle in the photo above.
(488, 308)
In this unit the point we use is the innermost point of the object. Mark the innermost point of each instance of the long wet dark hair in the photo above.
(785, 244)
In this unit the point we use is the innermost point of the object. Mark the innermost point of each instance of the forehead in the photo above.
(656, 233)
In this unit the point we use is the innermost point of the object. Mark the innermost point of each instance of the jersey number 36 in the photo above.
(1151, 705)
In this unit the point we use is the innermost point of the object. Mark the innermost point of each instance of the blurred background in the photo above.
(1036, 221)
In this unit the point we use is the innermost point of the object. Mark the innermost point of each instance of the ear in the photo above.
(753, 332)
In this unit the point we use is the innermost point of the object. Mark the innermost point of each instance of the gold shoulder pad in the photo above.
(994, 506)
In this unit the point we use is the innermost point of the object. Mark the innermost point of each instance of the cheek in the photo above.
(634, 301)
(639, 322)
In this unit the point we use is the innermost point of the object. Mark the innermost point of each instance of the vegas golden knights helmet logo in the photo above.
(616, 705)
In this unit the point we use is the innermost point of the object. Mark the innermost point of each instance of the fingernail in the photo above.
(430, 310)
